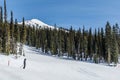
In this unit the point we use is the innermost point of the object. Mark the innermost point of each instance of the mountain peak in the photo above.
(37, 23)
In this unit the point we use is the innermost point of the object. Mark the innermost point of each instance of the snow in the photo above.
(43, 67)
(37, 23)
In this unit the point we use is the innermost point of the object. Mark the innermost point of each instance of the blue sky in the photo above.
(66, 13)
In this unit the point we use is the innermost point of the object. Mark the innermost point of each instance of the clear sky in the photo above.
(66, 13)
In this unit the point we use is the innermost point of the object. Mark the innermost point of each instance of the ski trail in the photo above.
(43, 67)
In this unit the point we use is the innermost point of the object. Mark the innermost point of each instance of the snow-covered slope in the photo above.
(37, 23)
(41, 67)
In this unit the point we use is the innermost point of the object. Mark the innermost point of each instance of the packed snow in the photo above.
(37, 23)
(44, 67)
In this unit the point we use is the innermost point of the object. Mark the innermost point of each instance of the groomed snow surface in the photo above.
(42, 67)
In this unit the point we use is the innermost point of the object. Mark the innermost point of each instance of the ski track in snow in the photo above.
(43, 67)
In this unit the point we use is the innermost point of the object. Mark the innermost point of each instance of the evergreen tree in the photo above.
(54, 45)
(90, 43)
(114, 46)
(95, 47)
(43, 40)
(103, 43)
(12, 39)
(29, 33)
(117, 35)
(80, 45)
(11, 26)
(3, 41)
(23, 32)
(1, 28)
(48, 39)
(99, 46)
(32, 36)
(37, 39)
(85, 44)
(16, 31)
(8, 39)
(1, 15)
(6, 32)
(0, 39)
(59, 42)
(108, 42)
(71, 43)
(5, 12)
(65, 42)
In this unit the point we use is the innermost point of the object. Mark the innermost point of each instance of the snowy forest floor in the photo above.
(43, 67)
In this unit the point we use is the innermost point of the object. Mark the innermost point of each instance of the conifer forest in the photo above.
(98, 45)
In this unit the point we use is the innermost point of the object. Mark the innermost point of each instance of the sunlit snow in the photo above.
(43, 67)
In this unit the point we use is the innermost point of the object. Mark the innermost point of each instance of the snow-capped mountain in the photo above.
(37, 23)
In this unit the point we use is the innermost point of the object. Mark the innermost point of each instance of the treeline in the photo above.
(101, 45)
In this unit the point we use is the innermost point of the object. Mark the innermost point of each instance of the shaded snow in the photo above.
(41, 67)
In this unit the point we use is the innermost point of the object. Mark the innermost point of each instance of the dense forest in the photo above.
(99, 45)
